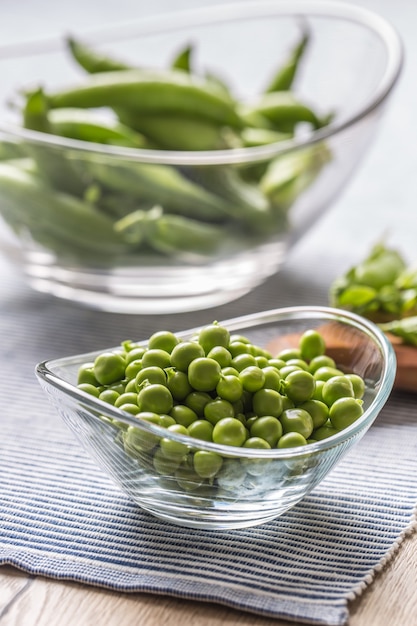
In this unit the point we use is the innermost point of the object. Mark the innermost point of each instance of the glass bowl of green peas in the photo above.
(232, 424)
(169, 165)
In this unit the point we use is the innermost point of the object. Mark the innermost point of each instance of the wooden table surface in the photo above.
(391, 600)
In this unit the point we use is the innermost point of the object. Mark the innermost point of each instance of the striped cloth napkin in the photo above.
(60, 516)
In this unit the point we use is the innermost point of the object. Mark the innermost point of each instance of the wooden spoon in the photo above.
(339, 345)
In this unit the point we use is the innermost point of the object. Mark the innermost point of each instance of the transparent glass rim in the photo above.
(212, 15)
(44, 371)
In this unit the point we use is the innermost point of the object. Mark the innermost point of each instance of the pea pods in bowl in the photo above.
(198, 435)
(147, 178)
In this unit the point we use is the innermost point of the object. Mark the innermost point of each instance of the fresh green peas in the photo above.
(109, 395)
(277, 363)
(292, 440)
(311, 345)
(201, 429)
(318, 410)
(164, 465)
(163, 340)
(166, 420)
(358, 385)
(129, 407)
(207, 464)
(140, 439)
(325, 431)
(321, 361)
(156, 357)
(335, 388)
(172, 449)
(86, 375)
(268, 428)
(184, 353)
(297, 421)
(204, 374)
(131, 386)
(152, 374)
(267, 402)
(344, 412)
(221, 355)
(213, 336)
(229, 431)
(89, 388)
(132, 368)
(324, 373)
(216, 410)
(126, 398)
(261, 361)
(229, 388)
(256, 467)
(197, 400)
(239, 347)
(289, 353)
(272, 377)
(299, 386)
(302, 365)
(229, 371)
(288, 369)
(241, 361)
(109, 367)
(135, 354)
(156, 398)
(177, 383)
(252, 378)
(183, 415)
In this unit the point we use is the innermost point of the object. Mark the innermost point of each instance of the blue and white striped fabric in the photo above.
(62, 518)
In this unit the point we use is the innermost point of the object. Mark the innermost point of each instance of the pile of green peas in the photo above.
(219, 387)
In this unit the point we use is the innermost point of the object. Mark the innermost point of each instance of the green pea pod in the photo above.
(246, 204)
(282, 109)
(284, 77)
(405, 328)
(262, 136)
(57, 215)
(182, 61)
(151, 91)
(174, 132)
(135, 225)
(51, 161)
(288, 175)
(158, 184)
(85, 125)
(176, 235)
(90, 60)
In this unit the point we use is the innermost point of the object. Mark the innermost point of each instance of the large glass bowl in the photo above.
(253, 486)
(350, 68)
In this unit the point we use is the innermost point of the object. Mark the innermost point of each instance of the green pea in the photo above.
(172, 449)
(239, 338)
(267, 402)
(231, 475)
(229, 432)
(292, 440)
(289, 353)
(318, 392)
(109, 367)
(129, 407)
(156, 357)
(325, 431)
(131, 386)
(311, 345)
(139, 438)
(335, 388)
(345, 412)
(216, 410)
(135, 354)
(358, 385)
(177, 383)
(127, 398)
(256, 467)
(152, 374)
(166, 420)
(204, 374)
(324, 373)
(321, 361)
(86, 374)
(277, 363)
(272, 377)
(187, 478)
(299, 386)
(201, 429)
(229, 371)
(197, 400)
(318, 410)
(183, 415)
(300, 363)
(207, 464)
(242, 361)
(229, 388)
(221, 355)
(132, 368)
(288, 369)
(109, 395)
(184, 353)
(163, 340)
(156, 398)
(268, 428)
(252, 378)
(261, 361)
(212, 336)
(297, 421)
(90, 389)
(239, 347)
(164, 465)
